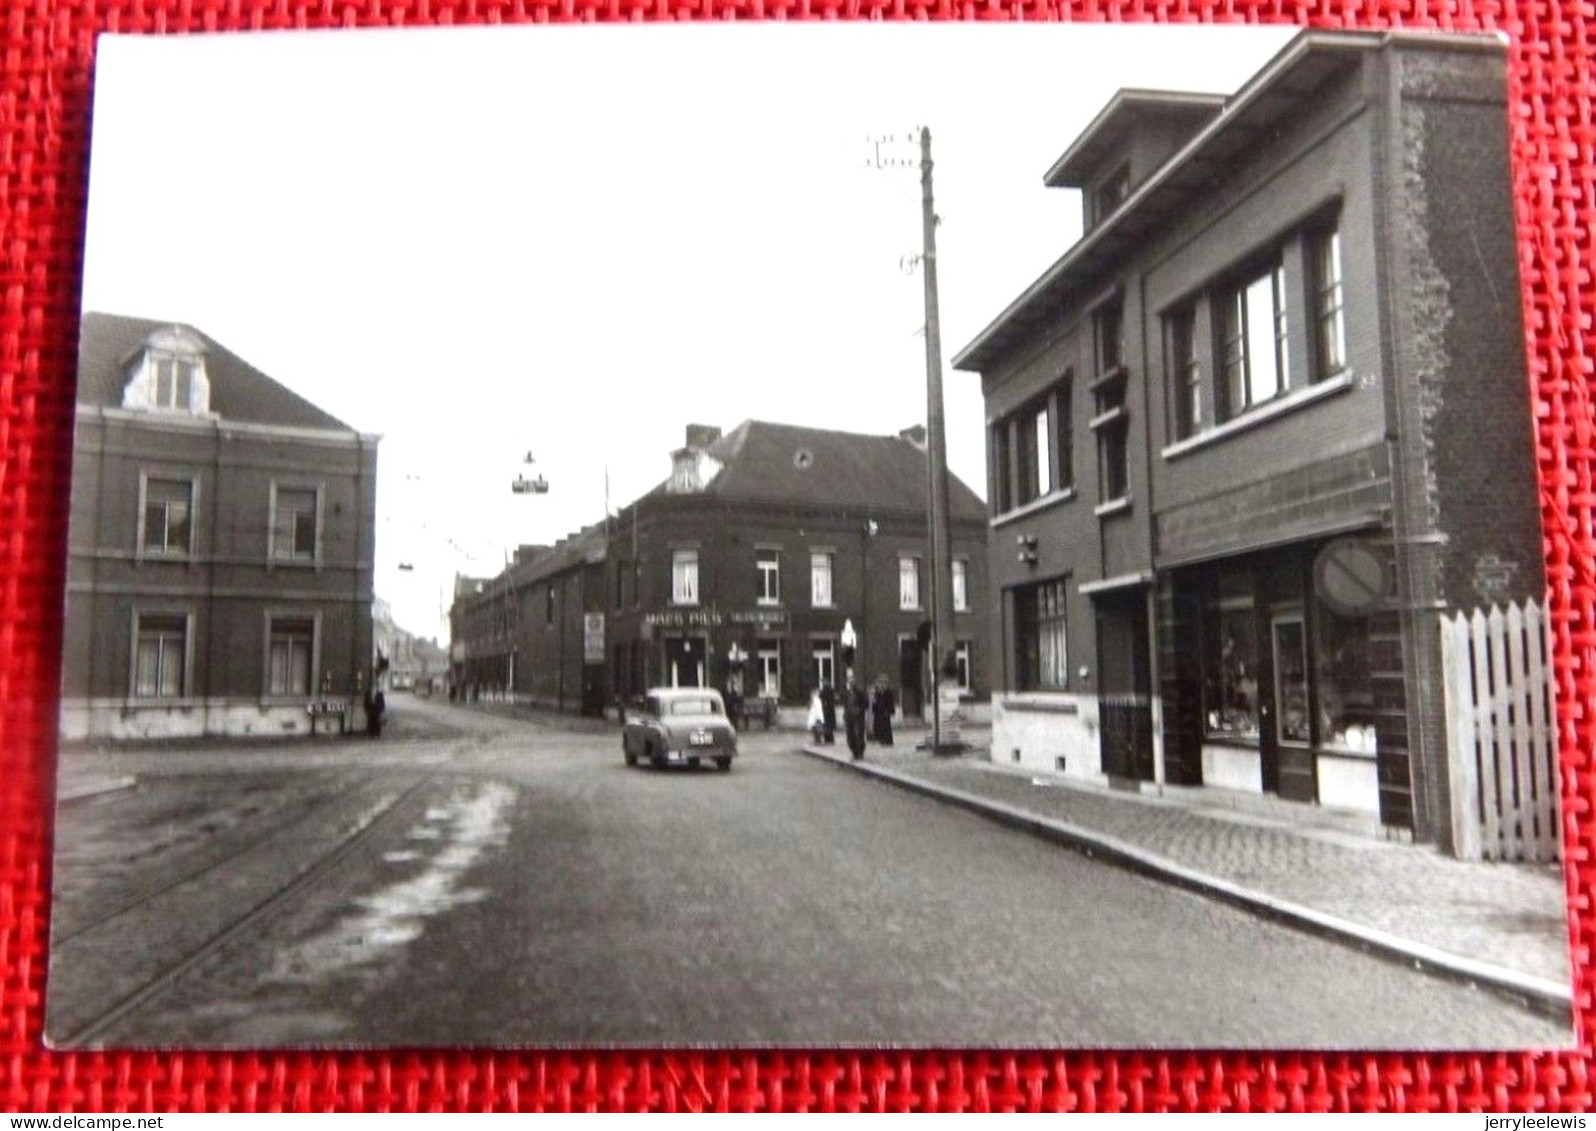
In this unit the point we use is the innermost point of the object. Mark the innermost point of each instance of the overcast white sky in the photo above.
(576, 240)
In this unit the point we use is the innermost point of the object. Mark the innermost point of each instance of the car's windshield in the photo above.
(704, 706)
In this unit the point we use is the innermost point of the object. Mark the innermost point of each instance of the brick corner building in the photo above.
(1262, 426)
(744, 565)
(219, 562)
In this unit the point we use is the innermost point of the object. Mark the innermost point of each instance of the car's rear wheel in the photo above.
(656, 757)
(631, 759)
(723, 764)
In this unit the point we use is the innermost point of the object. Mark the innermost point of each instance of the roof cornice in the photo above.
(982, 350)
(1125, 100)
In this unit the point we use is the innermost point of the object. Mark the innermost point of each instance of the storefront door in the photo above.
(1125, 702)
(1290, 728)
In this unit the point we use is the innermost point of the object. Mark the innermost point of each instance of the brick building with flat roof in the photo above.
(1261, 427)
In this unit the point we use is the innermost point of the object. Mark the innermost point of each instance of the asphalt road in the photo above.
(472, 879)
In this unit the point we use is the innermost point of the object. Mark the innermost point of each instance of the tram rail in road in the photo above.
(84, 1034)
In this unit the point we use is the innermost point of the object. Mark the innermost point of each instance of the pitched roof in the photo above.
(584, 547)
(239, 391)
(793, 465)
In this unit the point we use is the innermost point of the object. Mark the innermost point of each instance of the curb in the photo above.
(95, 789)
(1541, 995)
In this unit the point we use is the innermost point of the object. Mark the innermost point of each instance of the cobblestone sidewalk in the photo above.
(1511, 916)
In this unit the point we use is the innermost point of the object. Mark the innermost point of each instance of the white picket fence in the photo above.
(1501, 734)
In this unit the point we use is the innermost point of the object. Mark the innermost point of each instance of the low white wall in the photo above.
(119, 721)
(1349, 782)
(1035, 729)
(793, 717)
(1233, 767)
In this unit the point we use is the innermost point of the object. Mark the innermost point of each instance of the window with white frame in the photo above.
(820, 568)
(160, 656)
(1035, 437)
(1329, 302)
(823, 666)
(291, 655)
(1184, 373)
(1031, 451)
(768, 563)
(1252, 341)
(168, 516)
(684, 577)
(295, 521)
(1111, 424)
(1042, 658)
(908, 582)
(961, 585)
(172, 382)
(768, 653)
(961, 659)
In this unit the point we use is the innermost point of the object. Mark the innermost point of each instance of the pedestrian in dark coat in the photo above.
(376, 705)
(828, 713)
(854, 706)
(882, 704)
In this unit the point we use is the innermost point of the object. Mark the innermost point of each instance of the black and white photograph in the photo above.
(751, 536)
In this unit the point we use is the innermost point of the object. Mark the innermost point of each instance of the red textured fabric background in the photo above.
(46, 60)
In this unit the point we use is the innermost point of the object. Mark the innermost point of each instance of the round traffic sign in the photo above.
(1351, 577)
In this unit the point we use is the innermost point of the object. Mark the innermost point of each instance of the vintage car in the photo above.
(679, 726)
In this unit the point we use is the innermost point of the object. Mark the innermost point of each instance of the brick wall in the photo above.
(1466, 330)
(228, 583)
(728, 537)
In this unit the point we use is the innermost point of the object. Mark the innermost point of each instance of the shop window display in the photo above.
(1346, 699)
(1232, 678)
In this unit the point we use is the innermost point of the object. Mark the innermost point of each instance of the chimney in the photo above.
(915, 434)
(687, 462)
(701, 436)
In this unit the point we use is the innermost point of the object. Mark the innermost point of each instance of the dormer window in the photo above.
(167, 374)
(1110, 194)
(173, 386)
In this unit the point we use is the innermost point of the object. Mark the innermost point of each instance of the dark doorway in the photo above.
(909, 679)
(593, 690)
(1125, 700)
(684, 661)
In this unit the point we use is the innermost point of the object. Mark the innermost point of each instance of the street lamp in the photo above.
(850, 644)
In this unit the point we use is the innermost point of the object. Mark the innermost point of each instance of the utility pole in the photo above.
(937, 459)
(944, 739)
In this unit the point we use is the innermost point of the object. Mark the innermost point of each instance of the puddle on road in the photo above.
(471, 822)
